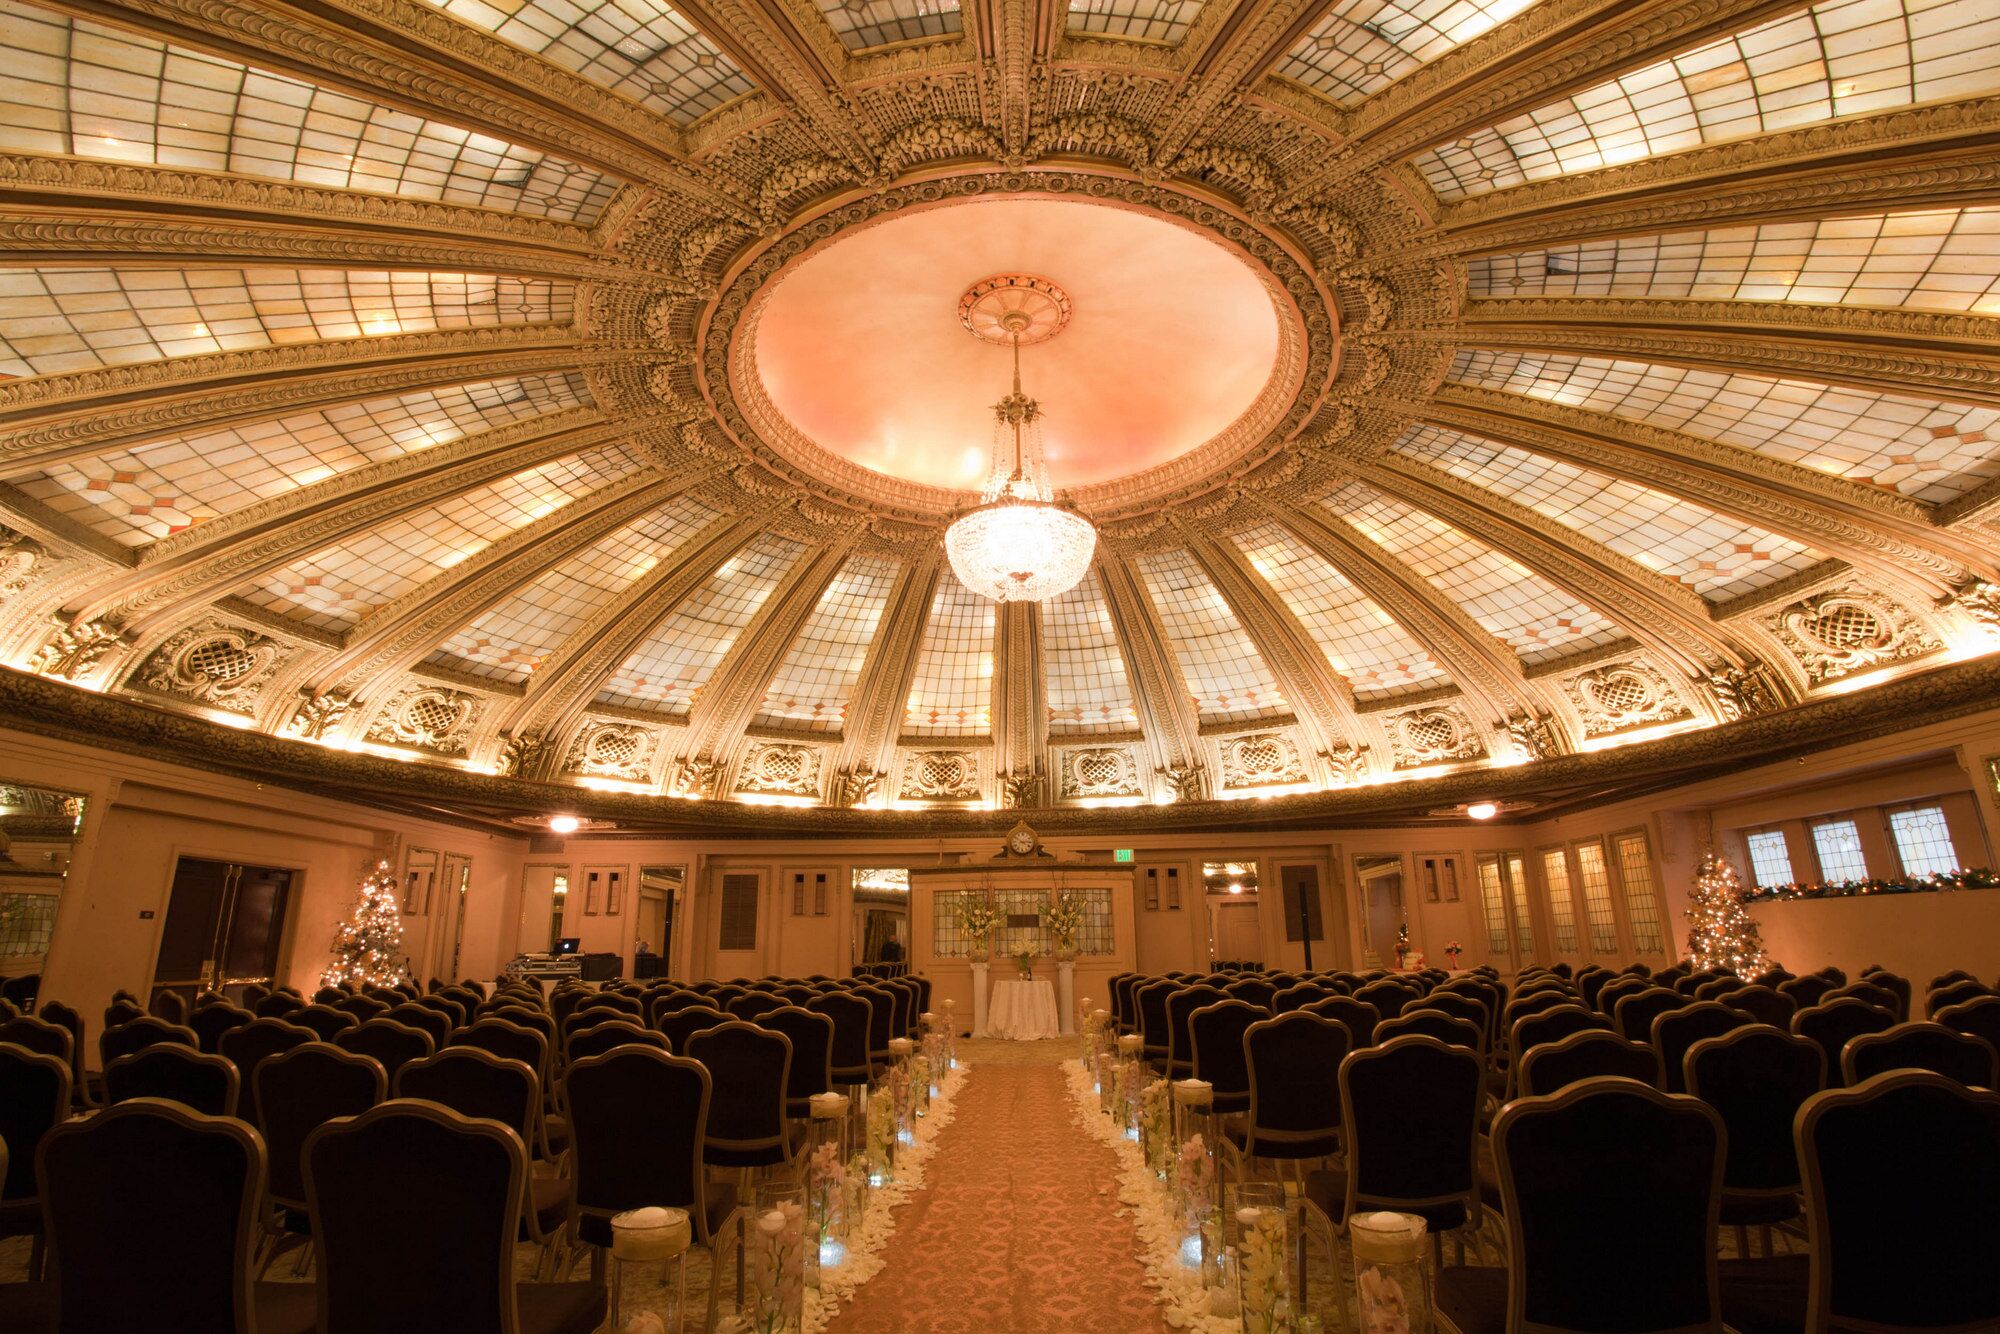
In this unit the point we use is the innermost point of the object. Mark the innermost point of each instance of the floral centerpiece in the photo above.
(1063, 920)
(882, 1135)
(1402, 944)
(1452, 949)
(1024, 959)
(977, 918)
(1157, 1125)
(826, 1200)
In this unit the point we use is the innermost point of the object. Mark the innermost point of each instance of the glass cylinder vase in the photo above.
(1260, 1238)
(1392, 1287)
(775, 1261)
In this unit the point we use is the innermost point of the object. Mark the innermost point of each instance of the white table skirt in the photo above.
(1022, 1011)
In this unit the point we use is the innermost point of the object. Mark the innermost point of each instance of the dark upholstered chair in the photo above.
(1215, 1035)
(1677, 1030)
(1806, 991)
(1410, 1109)
(754, 1006)
(1904, 1145)
(851, 1066)
(1294, 1066)
(139, 1034)
(1258, 991)
(199, 1179)
(596, 1039)
(639, 1119)
(1388, 996)
(479, 1084)
(248, 1046)
(1756, 1077)
(210, 1022)
(379, 1184)
(811, 1070)
(1589, 1054)
(1979, 1016)
(277, 1005)
(1832, 1023)
(1436, 1024)
(39, 1035)
(748, 1069)
(1152, 1001)
(1181, 1004)
(1765, 1005)
(326, 1022)
(1298, 996)
(1920, 1046)
(197, 1080)
(298, 1091)
(1953, 993)
(1635, 1013)
(34, 1099)
(394, 1045)
(434, 1024)
(82, 1092)
(1610, 1193)
(1359, 1018)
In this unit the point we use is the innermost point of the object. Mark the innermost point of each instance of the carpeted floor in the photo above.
(1018, 1231)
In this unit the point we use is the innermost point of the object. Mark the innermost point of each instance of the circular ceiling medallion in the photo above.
(1010, 306)
(1179, 349)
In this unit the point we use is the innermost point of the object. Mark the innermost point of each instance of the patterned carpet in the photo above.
(1019, 1230)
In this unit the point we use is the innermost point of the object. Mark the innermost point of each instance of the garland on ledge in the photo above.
(1943, 882)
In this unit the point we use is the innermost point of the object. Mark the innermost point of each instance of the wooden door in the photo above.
(225, 923)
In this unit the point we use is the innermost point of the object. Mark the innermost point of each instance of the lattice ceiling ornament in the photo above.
(1020, 545)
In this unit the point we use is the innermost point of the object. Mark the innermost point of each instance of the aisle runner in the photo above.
(1019, 1231)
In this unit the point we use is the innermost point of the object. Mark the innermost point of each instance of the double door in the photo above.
(225, 923)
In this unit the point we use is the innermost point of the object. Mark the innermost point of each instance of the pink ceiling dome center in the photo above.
(1172, 339)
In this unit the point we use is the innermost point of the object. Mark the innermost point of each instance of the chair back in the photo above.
(1153, 1034)
(754, 1006)
(381, 1186)
(1867, 990)
(1388, 996)
(850, 1034)
(475, 1083)
(1756, 1078)
(1180, 1005)
(300, 1090)
(618, 1003)
(1298, 996)
(748, 1070)
(881, 1020)
(39, 1035)
(612, 1033)
(505, 1038)
(1920, 1046)
(1294, 1068)
(1807, 991)
(1833, 1023)
(393, 1044)
(1899, 1146)
(34, 1099)
(249, 1046)
(1677, 1030)
(210, 1022)
(1459, 1005)
(141, 1033)
(277, 1005)
(432, 1023)
(1215, 1041)
(1411, 1111)
(1526, 1003)
(199, 1081)
(1258, 991)
(1765, 1005)
(1551, 1025)
(1953, 993)
(192, 1182)
(637, 1121)
(1436, 1024)
(363, 1008)
(1895, 984)
(1594, 1053)
(325, 1021)
(1634, 1014)
(1604, 1149)
(1358, 1017)
(811, 1036)
(1979, 1016)
(680, 1027)
(122, 1010)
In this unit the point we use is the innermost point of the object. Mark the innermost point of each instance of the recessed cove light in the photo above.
(1482, 810)
(564, 824)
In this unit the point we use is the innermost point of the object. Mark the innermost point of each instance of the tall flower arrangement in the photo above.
(977, 918)
(368, 946)
(1063, 920)
(1721, 933)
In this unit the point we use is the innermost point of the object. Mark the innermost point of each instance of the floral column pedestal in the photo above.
(980, 996)
(1066, 995)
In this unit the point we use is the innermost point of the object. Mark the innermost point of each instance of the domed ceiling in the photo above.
(575, 392)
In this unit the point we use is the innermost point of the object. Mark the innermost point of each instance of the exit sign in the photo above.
(1121, 854)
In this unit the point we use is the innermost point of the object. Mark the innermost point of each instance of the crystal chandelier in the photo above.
(1018, 544)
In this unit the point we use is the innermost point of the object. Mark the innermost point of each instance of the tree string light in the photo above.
(368, 946)
(1721, 933)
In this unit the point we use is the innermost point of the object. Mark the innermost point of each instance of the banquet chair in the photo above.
(1833, 1023)
(210, 1022)
(1593, 1053)
(1895, 984)
(1948, 977)
(1389, 996)
(1920, 1046)
(1293, 1064)
(477, 1083)
(1677, 1030)
(248, 1047)
(663, 1003)
(168, 1005)
(1298, 996)
(434, 1024)
(811, 1070)
(749, 1070)
(1409, 1109)
(328, 995)
(882, 1002)
(1808, 991)
(199, 1179)
(1866, 990)
(1765, 1005)
(1154, 1034)
(1979, 1016)
(1215, 1040)
(680, 1027)
(27, 1305)
(1259, 991)
(1435, 1024)
(34, 1099)
(640, 1119)
(394, 1045)
(1459, 1005)
(851, 1066)
(1634, 1015)
(1615, 990)
(394, 1268)
(1609, 1191)
(277, 1005)
(754, 1006)
(596, 1039)
(1905, 1145)
(1359, 1018)
(362, 1007)
(1180, 1005)
(38, 1035)
(1756, 1078)
(1528, 1004)
(201, 1081)
(456, 1013)
(122, 1010)
(1550, 1025)
(85, 1090)
(1123, 1019)
(298, 1091)
(325, 1021)
(138, 1034)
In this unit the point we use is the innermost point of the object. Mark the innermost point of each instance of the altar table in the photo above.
(1022, 1011)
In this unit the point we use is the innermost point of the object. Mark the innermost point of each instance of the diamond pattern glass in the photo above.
(1770, 858)
(1923, 841)
(861, 24)
(1155, 20)
(1363, 46)
(952, 691)
(816, 680)
(1838, 843)
(1083, 669)
(1220, 666)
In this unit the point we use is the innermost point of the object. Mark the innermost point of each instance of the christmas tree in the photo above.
(1721, 932)
(368, 947)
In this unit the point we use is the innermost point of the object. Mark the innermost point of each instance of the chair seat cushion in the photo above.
(1472, 1299)
(1764, 1296)
(560, 1308)
(284, 1308)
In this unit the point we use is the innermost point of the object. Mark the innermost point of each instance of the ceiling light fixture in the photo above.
(1019, 544)
(564, 824)
(1482, 810)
